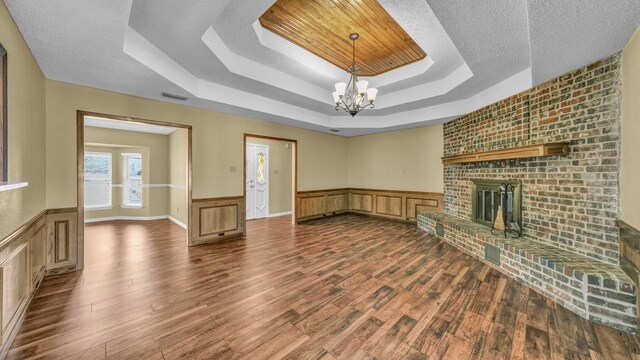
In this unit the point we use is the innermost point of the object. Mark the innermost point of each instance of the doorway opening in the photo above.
(132, 169)
(270, 177)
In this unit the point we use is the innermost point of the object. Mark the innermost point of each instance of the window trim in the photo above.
(4, 147)
(13, 185)
(125, 181)
(101, 207)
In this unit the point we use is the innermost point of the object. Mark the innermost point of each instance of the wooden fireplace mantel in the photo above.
(520, 152)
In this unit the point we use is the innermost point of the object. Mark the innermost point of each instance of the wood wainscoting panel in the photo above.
(416, 204)
(62, 241)
(389, 205)
(320, 203)
(38, 250)
(15, 287)
(22, 267)
(392, 204)
(337, 203)
(361, 202)
(312, 206)
(216, 218)
(630, 251)
(630, 255)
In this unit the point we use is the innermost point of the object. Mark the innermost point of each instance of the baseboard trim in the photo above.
(61, 270)
(139, 218)
(111, 218)
(178, 222)
(279, 214)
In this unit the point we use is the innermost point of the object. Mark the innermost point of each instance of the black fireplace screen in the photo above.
(486, 199)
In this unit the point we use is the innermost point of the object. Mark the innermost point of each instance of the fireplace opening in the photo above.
(487, 197)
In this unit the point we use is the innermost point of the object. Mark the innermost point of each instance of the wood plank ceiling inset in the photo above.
(323, 27)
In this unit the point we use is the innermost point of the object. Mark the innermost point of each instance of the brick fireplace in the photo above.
(569, 206)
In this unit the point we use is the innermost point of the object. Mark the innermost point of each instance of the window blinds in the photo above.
(97, 180)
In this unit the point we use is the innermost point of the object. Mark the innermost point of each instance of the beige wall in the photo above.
(217, 143)
(26, 135)
(178, 175)
(398, 160)
(157, 144)
(156, 169)
(280, 174)
(630, 162)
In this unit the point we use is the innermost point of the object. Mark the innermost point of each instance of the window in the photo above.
(3, 115)
(132, 180)
(97, 181)
(260, 173)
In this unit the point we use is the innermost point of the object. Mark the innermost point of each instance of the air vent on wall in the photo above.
(492, 253)
(174, 96)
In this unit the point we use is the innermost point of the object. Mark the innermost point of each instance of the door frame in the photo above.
(267, 177)
(80, 115)
(294, 172)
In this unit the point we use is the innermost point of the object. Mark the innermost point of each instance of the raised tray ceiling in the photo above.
(323, 27)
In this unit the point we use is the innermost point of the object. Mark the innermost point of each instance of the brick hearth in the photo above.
(595, 290)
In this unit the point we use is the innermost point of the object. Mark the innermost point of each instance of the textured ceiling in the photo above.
(212, 52)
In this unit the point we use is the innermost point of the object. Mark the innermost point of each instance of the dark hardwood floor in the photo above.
(348, 287)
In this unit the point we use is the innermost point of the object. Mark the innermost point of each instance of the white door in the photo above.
(257, 186)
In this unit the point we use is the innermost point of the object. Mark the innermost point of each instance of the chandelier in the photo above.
(350, 96)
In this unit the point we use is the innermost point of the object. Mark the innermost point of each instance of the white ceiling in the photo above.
(214, 53)
(127, 126)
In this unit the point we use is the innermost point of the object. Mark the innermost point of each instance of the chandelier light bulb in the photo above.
(371, 94)
(341, 88)
(336, 97)
(362, 86)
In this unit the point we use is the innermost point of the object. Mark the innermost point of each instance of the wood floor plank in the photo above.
(344, 287)
(536, 344)
(520, 336)
(345, 344)
(611, 344)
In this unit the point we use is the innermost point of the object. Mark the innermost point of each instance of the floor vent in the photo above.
(492, 254)
(440, 230)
